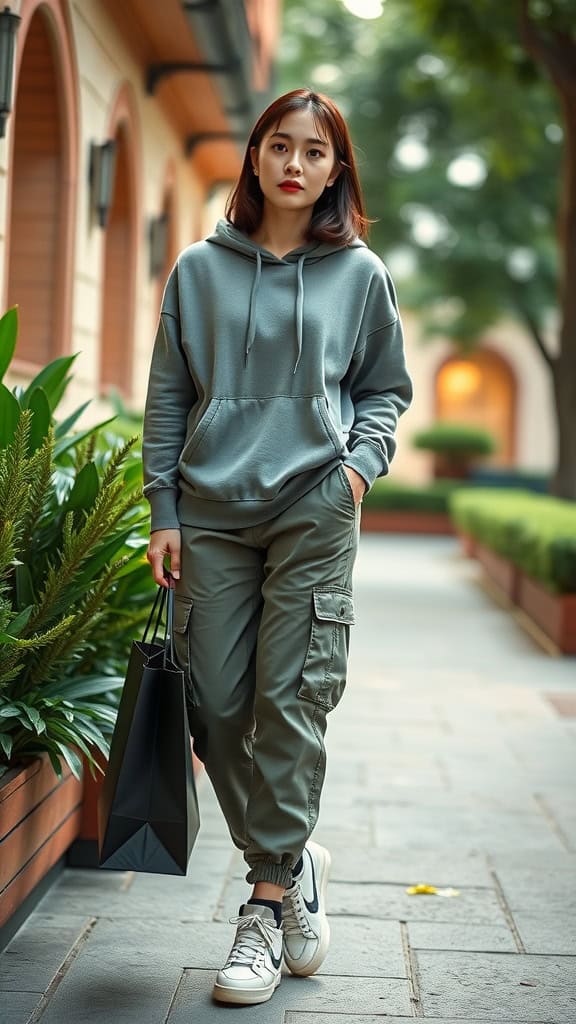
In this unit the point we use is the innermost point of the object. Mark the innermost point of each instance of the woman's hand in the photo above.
(164, 543)
(357, 483)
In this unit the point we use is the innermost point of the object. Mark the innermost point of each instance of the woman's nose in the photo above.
(293, 164)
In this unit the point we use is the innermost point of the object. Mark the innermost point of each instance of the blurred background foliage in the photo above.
(458, 139)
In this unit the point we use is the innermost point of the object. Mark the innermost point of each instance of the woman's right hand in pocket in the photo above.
(164, 543)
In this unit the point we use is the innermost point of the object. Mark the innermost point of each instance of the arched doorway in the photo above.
(42, 184)
(480, 390)
(120, 257)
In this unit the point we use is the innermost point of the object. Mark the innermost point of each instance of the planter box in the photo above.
(399, 521)
(500, 570)
(555, 614)
(39, 819)
(468, 543)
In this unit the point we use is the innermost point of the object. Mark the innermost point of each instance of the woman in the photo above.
(277, 379)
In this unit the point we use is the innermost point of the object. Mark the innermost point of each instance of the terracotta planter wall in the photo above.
(554, 613)
(398, 521)
(501, 571)
(39, 819)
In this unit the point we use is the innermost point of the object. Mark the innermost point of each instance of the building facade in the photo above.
(128, 126)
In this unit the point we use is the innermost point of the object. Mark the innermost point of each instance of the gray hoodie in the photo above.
(266, 373)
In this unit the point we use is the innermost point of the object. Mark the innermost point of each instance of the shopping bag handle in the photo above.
(156, 614)
(164, 600)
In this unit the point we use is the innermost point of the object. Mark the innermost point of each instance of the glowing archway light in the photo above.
(364, 8)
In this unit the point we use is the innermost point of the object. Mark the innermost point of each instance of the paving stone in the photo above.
(390, 901)
(337, 1018)
(128, 970)
(468, 827)
(324, 993)
(132, 894)
(526, 988)
(481, 938)
(36, 951)
(164, 896)
(364, 948)
(547, 887)
(547, 932)
(16, 1007)
(442, 866)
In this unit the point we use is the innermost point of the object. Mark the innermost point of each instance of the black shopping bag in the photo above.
(148, 815)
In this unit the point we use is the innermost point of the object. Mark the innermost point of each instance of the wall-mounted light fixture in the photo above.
(9, 23)
(101, 178)
(158, 233)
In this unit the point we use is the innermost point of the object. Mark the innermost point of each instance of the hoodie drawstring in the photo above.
(299, 307)
(251, 329)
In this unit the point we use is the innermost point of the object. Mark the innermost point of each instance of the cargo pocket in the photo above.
(324, 673)
(182, 612)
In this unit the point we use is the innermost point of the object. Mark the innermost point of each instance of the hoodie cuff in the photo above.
(367, 461)
(163, 508)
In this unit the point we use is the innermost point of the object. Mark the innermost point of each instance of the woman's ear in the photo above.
(336, 170)
(254, 158)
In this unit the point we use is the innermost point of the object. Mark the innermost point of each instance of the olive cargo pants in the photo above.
(262, 621)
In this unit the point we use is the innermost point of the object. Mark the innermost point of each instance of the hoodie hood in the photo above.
(311, 252)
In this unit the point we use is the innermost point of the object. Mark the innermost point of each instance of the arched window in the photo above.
(480, 389)
(42, 185)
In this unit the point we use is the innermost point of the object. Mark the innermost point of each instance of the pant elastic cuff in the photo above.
(270, 871)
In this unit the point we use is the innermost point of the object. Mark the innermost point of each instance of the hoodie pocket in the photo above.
(245, 449)
(324, 673)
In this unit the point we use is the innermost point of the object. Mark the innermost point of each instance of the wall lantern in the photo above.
(101, 178)
(9, 23)
(158, 231)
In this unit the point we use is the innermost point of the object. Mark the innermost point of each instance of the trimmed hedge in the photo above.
(535, 531)
(456, 440)
(389, 495)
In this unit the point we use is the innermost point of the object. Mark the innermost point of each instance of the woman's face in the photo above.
(297, 151)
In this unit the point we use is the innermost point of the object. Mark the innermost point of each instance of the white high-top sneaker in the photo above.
(304, 922)
(253, 969)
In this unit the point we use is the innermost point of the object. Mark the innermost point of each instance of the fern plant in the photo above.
(71, 534)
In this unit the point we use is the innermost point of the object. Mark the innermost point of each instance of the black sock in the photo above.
(275, 905)
(298, 866)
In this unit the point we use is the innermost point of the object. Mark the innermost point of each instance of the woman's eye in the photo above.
(316, 152)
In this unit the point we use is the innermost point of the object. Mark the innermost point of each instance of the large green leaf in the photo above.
(64, 443)
(102, 557)
(8, 336)
(20, 621)
(9, 416)
(50, 379)
(67, 424)
(24, 586)
(41, 416)
(74, 689)
(85, 489)
(6, 741)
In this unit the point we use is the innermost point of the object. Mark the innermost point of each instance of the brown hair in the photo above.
(339, 214)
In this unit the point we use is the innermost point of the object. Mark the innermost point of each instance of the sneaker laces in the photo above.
(294, 917)
(254, 935)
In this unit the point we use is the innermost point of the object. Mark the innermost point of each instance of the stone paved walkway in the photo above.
(448, 764)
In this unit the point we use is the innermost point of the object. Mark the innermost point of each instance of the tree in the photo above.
(431, 118)
(504, 39)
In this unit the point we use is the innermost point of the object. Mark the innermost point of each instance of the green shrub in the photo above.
(72, 529)
(455, 440)
(535, 531)
(391, 495)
